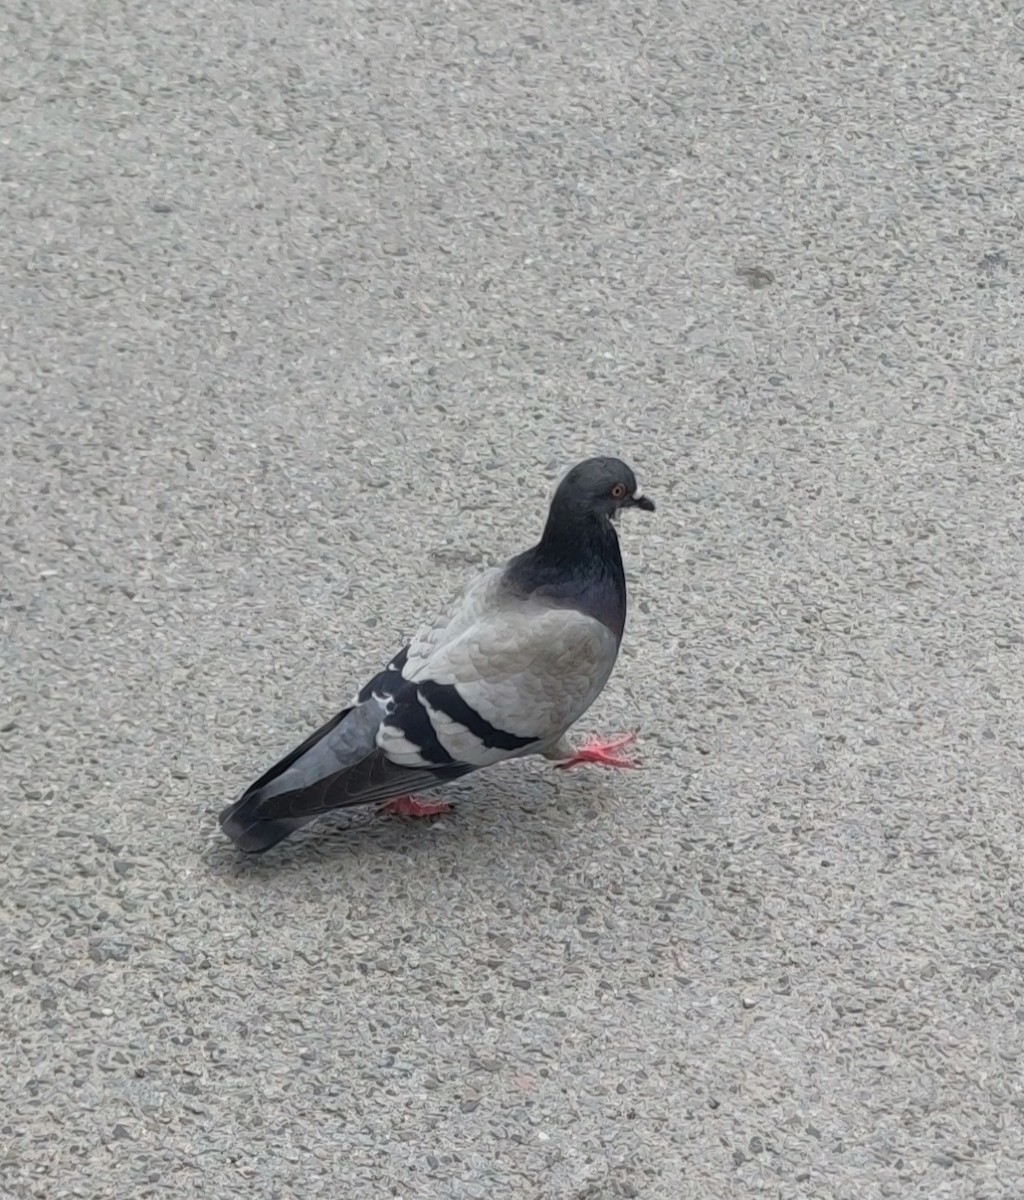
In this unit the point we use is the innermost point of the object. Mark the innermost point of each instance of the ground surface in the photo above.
(304, 308)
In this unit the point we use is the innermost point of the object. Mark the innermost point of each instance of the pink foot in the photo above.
(409, 806)
(602, 753)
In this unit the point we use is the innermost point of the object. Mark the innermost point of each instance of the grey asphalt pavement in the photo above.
(303, 309)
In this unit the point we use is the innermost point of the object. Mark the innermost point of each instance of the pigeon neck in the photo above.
(573, 536)
(576, 563)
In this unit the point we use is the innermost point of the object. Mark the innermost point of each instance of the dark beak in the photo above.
(644, 503)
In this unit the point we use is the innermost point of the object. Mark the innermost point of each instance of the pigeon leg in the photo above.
(411, 806)
(596, 750)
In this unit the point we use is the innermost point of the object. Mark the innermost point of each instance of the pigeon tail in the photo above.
(252, 833)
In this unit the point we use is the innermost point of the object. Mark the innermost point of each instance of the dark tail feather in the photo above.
(256, 822)
(240, 821)
(252, 833)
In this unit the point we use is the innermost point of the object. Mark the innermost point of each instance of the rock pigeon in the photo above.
(505, 672)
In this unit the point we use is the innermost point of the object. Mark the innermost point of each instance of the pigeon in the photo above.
(503, 673)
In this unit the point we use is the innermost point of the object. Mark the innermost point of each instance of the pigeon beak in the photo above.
(641, 501)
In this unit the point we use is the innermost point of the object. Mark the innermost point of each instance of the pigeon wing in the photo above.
(515, 675)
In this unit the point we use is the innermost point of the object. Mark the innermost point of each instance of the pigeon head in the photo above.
(601, 486)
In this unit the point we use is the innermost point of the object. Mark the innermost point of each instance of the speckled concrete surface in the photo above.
(303, 309)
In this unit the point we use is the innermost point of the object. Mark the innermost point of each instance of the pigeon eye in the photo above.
(617, 492)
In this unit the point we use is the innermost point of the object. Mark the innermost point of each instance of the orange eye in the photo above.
(617, 492)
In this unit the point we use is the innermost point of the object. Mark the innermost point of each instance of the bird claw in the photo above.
(601, 753)
(411, 806)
